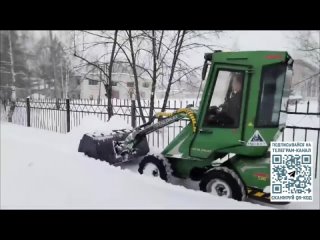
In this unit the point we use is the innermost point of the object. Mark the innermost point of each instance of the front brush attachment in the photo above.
(105, 147)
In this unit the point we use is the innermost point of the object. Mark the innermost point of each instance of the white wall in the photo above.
(121, 79)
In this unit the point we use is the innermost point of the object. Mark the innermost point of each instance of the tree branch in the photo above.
(92, 64)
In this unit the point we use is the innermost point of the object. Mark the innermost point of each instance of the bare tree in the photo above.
(164, 62)
(131, 47)
(155, 55)
(107, 70)
(308, 42)
(152, 56)
(54, 67)
(176, 52)
(159, 54)
(184, 41)
(13, 76)
(132, 62)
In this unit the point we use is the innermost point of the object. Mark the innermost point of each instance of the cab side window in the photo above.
(273, 78)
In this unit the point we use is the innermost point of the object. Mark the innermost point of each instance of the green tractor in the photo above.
(225, 145)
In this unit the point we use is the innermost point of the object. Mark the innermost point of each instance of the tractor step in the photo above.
(259, 195)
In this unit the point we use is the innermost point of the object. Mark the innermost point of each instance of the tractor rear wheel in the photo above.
(224, 182)
(155, 166)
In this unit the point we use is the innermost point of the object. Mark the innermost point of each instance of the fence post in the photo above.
(133, 113)
(68, 114)
(57, 103)
(28, 112)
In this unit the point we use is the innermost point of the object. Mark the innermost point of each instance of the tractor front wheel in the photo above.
(224, 182)
(155, 166)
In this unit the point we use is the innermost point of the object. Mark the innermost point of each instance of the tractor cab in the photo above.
(242, 107)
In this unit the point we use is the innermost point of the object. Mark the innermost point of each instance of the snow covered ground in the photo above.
(43, 170)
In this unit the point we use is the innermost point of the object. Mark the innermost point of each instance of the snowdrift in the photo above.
(43, 170)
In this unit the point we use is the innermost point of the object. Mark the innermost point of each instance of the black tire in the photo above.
(161, 163)
(226, 176)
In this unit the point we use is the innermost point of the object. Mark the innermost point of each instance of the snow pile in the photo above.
(92, 124)
(47, 174)
(117, 122)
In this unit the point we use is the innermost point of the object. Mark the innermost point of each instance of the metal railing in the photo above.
(62, 115)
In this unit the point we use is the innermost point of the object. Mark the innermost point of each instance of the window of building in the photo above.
(93, 82)
(78, 80)
(113, 83)
(142, 94)
(130, 84)
(145, 85)
(309, 88)
(313, 88)
(115, 94)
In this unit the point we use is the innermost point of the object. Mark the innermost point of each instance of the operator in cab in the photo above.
(228, 113)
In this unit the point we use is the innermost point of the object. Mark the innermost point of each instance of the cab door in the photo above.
(226, 130)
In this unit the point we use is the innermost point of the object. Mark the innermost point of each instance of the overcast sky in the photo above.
(262, 40)
(244, 41)
(253, 41)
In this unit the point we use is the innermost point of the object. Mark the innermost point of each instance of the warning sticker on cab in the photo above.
(256, 140)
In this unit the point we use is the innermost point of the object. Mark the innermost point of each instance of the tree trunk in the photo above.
(319, 97)
(173, 66)
(109, 97)
(155, 55)
(54, 71)
(62, 93)
(67, 82)
(109, 84)
(13, 75)
(136, 83)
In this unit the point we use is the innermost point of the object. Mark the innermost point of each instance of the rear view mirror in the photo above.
(204, 69)
(290, 64)
(207, 58)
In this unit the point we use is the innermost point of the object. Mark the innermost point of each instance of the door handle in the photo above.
(205, 131)
(242, 142)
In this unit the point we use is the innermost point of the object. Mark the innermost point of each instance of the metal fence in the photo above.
(62, 115)
(307, 130)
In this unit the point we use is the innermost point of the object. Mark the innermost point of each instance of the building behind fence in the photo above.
(64, 115)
